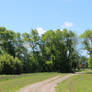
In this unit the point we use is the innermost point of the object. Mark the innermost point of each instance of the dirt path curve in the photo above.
(45, 86)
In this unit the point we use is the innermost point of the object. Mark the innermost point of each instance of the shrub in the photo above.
(10, 65)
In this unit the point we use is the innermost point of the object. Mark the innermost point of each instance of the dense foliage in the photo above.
(55, 50)
(87, 45)
(10, 65)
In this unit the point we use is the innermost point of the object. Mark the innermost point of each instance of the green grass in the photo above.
(11, 83)
(77, 83)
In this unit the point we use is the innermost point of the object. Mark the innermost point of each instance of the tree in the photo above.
(59, 49)
(32, 40)
(7, 40)
(83, 62)
(87, 43)
(20, 49)
(87, 40)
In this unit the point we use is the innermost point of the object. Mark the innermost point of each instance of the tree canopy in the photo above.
(55, 50)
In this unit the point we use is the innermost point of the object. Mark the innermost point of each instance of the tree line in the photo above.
(53, 51)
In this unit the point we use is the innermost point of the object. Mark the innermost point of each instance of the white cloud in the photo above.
(61, 29)
(67, 24)
(40, 30)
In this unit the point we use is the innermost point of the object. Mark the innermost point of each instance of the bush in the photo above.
(10, 65)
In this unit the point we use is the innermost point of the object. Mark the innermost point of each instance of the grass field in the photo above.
(11, 83)
(77, 83)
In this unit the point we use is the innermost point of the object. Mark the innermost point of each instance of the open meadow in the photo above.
(11, 83)
(77, 83)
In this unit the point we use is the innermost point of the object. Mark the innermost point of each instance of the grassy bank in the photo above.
(78, 83)
(11, 83)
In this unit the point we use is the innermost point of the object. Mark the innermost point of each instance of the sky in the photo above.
(24, 15)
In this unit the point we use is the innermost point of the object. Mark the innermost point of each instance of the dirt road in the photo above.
(45, 86)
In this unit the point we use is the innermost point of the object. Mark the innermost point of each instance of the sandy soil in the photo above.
(45, 86)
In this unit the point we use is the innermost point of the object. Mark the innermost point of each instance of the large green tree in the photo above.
(32, 42)
(7, 38)
(87, 40)
(59, 50)
(87, 44)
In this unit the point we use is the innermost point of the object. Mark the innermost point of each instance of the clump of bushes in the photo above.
(10, 65)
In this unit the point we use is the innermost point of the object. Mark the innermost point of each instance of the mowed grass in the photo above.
(77, 83)
(12, 83)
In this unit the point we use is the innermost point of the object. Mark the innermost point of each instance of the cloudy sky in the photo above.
(23, 15)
